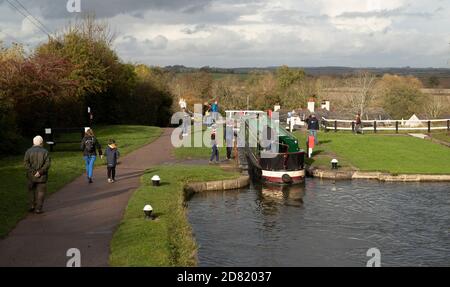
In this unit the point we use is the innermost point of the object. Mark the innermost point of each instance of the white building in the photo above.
(413, 122)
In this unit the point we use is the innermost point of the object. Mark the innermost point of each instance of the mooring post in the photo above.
(429, 126)
(375, 126)
(335, 126)
(396, 127)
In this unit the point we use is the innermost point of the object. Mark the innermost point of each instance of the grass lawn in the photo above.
(168, 240)
(376, 152)
(443, 136)
(204, 152)
(67, 164)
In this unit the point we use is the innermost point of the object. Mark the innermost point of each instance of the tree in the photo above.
(288, 76)
(34, 87)
(14, 52)
(433, 81)
(231, 92)
(261, 90)
(402, 96)
(436, 106)
(363, 84)
(193, 87)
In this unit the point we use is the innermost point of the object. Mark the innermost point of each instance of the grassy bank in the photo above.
(442, 136)
(375, 152)
(168, 240)
(67, 164)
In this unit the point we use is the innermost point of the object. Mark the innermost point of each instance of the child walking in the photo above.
(112, 155)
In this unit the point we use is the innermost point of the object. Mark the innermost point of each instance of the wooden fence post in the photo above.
(375, 126)
(448, 125)
(335, 126)
(429, 126)
(396, 127)
(353, 126)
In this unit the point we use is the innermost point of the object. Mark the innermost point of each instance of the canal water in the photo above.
(324, 223)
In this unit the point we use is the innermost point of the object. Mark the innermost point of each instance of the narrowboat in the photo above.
(285, 166)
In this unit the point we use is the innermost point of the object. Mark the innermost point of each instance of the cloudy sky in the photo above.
(256, 33)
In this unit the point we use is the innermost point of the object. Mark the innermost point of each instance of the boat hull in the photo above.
(283, 177)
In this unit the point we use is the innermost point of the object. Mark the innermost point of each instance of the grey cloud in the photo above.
(302, 37)
(158, 43)
(387, 13)
(294, 17)
(196, 29)
(131, 43)
(110, 8)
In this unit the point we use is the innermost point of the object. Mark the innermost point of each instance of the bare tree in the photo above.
(362, 95)
(436, 106)
(91, 28)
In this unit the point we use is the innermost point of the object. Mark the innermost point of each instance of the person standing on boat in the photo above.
(313, 127)
(215, 111)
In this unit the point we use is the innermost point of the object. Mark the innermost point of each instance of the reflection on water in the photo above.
(273, 195)
(323, 223)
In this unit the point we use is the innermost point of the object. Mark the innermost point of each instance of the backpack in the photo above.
(90, 145)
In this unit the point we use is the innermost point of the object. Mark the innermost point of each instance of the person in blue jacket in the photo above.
(215, 110)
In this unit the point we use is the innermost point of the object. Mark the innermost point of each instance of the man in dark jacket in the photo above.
(37, 164)
(313, 127)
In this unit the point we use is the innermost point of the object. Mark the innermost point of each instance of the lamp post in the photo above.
(334, 163)
(156, 180)
(148, 209)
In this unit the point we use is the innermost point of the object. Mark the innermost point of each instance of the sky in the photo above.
(255, 33)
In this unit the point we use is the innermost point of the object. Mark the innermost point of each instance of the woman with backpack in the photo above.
(90, 146)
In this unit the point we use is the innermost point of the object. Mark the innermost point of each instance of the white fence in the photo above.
(388, 125)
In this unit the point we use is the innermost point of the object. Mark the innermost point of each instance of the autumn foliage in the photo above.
(54, 85)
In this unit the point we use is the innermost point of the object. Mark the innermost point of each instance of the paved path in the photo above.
(82, 216)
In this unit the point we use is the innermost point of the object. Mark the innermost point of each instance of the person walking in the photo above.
(37, 165)
(186, 122)
(229, 138)
(90, 146)
(112, 155)
(215, 150)
(313, 127)
(358, 124)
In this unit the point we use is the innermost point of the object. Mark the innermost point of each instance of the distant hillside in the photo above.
(424, 74)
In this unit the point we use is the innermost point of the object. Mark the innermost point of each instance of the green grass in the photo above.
(204, 152)
(375, 152)
(168, 240)
(443, 136)
(67, 164)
